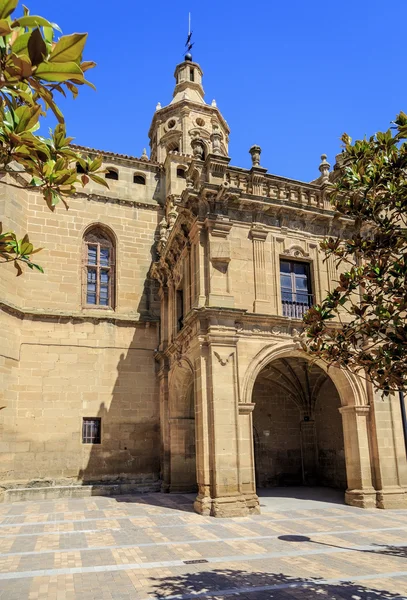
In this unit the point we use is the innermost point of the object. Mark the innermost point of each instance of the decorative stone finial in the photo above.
(215, 139)
(324, 168)
(158, 107)
(185, 96)
(214, 103)
(255, 151)
(144, 155)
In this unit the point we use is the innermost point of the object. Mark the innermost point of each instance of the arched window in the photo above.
(112, 174)
(99, 268)
(181, 172)
(139, 179)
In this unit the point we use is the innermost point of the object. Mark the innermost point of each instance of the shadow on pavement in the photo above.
(222, 583)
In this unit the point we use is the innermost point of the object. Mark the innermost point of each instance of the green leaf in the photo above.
(59, 72)
(27, 117)
(7, 7)
(98, 179)
(33, 21)
(55, 198)
(4, 27)
(26, 248)
(20, 44)
(69, 48)
(37, 48)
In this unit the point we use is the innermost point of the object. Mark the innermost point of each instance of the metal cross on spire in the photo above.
(188, 43)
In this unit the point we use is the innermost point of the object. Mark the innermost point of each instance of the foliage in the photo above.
(371, 189)
(33, 67)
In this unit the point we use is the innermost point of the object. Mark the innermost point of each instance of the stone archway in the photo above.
(297, 427)
(354, 410)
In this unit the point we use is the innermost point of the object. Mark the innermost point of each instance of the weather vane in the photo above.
(188, 43)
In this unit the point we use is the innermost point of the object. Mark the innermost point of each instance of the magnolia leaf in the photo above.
(26, 248)
(28, 117)
(4, 27)
(7, 7)
(33, 21)
(59, 72)
(98, 179)
(87, 64)
(72, 88)
(37, 48)
(68, 48)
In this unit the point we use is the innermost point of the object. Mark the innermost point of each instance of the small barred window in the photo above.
(91, 430)
(99, 269)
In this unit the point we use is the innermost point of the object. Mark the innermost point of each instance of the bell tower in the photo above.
(187, 125)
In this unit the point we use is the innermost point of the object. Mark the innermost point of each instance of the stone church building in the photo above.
(160, 350)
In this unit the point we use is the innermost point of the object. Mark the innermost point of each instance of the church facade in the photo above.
(160, 350)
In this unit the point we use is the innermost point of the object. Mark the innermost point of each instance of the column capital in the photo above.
(258, 232)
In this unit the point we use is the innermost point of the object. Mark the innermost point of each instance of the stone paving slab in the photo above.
(155, 546)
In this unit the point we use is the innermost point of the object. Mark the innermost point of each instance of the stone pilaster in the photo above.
(388, 450)
(360, 491)
(262, 302)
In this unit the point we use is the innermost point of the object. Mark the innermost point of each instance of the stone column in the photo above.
(203, 502)
(262, 302)
(360, 490)
(219, 435)
(246, 457)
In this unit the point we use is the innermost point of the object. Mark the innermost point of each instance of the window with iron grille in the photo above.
(99, 269)
(296, 293)
(91, 430)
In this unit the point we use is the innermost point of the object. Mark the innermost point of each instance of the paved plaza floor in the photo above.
(303, 546)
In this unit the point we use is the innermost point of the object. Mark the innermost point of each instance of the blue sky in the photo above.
(289, 76)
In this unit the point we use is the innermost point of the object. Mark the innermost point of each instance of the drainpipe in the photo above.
(403, 416)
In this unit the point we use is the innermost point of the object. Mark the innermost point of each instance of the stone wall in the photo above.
(61, 361)
(277, 441)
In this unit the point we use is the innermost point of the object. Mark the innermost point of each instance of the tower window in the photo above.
(181, 173)
(139, 179)
(296, 293)
(112, 174)
(191, 75)
(99, 269)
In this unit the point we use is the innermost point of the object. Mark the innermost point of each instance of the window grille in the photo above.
(91, 430)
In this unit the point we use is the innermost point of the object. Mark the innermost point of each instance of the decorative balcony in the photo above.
(296, 306)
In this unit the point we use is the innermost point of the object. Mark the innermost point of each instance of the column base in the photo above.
(365, 498)
(227, 506)
(165, 487)
(391, 497)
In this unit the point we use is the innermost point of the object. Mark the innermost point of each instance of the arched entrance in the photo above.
(297, 426)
